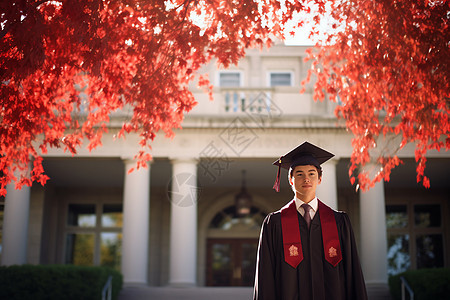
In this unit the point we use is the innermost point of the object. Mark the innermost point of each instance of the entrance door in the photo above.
(231, 262)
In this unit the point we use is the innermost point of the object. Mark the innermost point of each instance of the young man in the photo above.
(307, 251)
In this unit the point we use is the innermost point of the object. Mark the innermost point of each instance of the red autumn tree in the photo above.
(387, 64)
(65, 59)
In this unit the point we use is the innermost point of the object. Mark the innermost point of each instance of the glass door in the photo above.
(231, 262)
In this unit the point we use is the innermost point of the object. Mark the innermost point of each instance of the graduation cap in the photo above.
(304, 154)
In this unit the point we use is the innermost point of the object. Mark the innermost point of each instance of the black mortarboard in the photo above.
(304, 154)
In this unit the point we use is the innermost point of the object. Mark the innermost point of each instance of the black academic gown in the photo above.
(314, 278)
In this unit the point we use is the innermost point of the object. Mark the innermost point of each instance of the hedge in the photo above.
(56, 282)
(425, 283)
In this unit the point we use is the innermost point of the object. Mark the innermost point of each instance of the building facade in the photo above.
(193, 216)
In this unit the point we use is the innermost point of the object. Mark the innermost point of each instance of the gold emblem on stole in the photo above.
(332, 252)
(293, 251)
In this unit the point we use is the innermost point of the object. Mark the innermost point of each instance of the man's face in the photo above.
(304, 181)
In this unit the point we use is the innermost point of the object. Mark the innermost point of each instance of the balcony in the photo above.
(282, 106)
(278, 105)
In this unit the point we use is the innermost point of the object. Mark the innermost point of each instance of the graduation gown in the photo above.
(314, 278)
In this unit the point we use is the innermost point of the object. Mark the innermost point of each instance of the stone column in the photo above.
(327, 190)
(15, 225)
(183, 223)
(373, 235)
(136, 217)
(255, 71)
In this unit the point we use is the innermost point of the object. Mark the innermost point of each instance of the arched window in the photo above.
(227, 219)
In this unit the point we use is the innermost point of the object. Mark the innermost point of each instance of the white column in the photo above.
(15, 225)
(136, 206)
(373, 235)
(255, 71)
(183, 224)
(327, 189)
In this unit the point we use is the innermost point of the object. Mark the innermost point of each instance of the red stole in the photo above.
(292, 243)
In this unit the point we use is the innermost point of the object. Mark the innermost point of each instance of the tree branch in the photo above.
(9, 24)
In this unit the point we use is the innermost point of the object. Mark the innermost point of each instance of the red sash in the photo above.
(292, 243)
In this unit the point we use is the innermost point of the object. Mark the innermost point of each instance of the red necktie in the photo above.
(307, 215)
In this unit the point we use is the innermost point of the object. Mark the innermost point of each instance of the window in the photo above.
(228, 218)
(426, 216)
(399, 259)
(112, 215)
(398, 239)
(234, 100)
(396, 216)
(430, 252)
(229, 79)
(81, 215)
(80, 249)
(93, 234)
(415, 237)
(280, 78)
(429, 243)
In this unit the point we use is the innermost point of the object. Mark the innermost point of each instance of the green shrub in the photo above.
(426, 284)
(56, 282)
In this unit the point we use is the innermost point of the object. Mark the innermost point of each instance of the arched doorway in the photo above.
(231, 246)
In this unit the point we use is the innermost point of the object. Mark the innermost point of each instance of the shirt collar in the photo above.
(313, 203)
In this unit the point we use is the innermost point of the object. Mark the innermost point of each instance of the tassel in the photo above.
(276, 185)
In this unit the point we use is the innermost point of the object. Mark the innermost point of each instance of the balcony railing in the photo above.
(247, 100)
(276, 101)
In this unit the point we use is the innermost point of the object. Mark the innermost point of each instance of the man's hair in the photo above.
(291, 170)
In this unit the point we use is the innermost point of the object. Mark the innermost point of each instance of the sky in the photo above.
(300, 38)
(301, 34)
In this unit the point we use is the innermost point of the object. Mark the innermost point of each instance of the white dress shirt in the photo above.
(313, 203)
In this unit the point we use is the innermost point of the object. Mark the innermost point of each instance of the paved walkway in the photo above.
(141, 292)
(197, 293)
